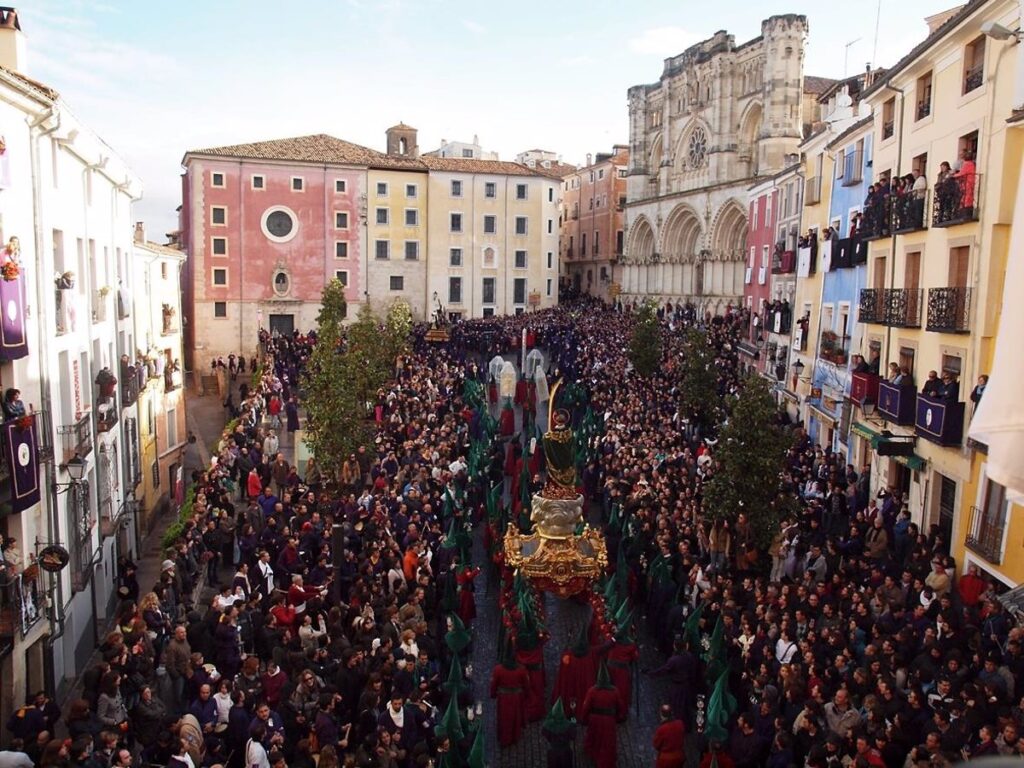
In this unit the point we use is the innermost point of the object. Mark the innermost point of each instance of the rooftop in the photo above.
(817, 85)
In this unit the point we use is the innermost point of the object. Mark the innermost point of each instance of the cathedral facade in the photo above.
(720, 117)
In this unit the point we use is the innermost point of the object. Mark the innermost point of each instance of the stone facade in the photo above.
(721, 116)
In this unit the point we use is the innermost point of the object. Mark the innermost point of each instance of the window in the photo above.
(396, 283)
(455, 257)
(520, 225)
(490, 225)
(923, 95)
(840, 164)
(520, 191)
(220, 276)
(619, 242)
(551, 224)
(467, 153)
(279, 224)
(549, 286)
(919, 165)
(520, 260)
(488, 290)
(488, 312)
(341, 249)
(220, 246)
(551, 194)
(907, 355)
(340, 220)
(172, 427)
(410, 190)
(490, 189)
(382, 215)
(382, 189)
(341, 275)
(951, 364)
(597, 242)
(382, 249)
(454, 290)
(340, 186)
(600, 174)
(583, 244)
(412, 217)
(220, 309)
(456, 188)
(456, 222)
(412, 250)
(216, 179)
(219, 215)
(519, 290)
(551, 260)
(974, 64)
(889, 118)
(298, 184)
(258, 182)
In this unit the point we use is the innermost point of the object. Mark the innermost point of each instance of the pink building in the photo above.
(762, 218)
(265, 226)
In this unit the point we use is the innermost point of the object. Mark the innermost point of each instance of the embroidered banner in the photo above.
(13, 336)
(21, 452)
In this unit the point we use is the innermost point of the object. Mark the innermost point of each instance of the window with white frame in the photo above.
(218, 215)
(456, 188)
(410, 190)
(520, 225)
(490, 189)
(340, 220)
(220, 246)
(341, 275)
(340, 186)
(521, 191)
(340, 249)
(217, 179)
(382, 215)
(520, 260)
(220, 276)
(382, 249)
(519, 290)
(454, 290)
(488, 290)
(412, 250)
(298, 184)
(412, 217)
(490, 224)
(382, 189)
(258, 182)
(455, 257)
(455, 222)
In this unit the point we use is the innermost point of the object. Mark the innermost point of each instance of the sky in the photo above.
(156, 79)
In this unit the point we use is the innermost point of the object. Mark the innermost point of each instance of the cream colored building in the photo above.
(720, 116)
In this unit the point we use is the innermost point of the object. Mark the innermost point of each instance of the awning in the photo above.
(825, 418)
(865, 432)
(913, 462)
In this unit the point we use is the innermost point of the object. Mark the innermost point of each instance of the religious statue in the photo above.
(558, 508)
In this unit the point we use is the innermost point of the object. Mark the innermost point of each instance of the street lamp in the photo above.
(75, 468)
(868, 406)
(997, 31)
(798, 368)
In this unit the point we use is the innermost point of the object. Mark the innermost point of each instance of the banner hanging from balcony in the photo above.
(803, 264)
(13, 335)
(21, 452)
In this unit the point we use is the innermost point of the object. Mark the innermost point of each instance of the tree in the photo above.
(336, 421)
(751, 455)
(645, 344)
(698, 380)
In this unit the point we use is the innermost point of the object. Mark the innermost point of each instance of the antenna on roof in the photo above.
(846, 56)
(878, 21)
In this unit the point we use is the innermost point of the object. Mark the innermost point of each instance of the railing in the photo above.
(897, 404)
(956, 200)
(908, 212)
(974, 77)
(902, 307)
(986, 531)
(129, 385)
(106, 414)
(20, 608)
(168, 326)
(949, 310)
(76, 438)
(924, 109)
(940, 420)
(888, 129)
(853, 168)
(876, 221)
(812, 191)
(872, 306)
(834, 349)
(172, 380)
(864, 386)
(784, 263)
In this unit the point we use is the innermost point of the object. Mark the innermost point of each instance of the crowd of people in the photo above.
(343, 634)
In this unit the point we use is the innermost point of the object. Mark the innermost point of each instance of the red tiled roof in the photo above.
(816, 85)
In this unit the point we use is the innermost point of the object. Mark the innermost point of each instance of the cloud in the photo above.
(662, 41)
(474, 26)
(582, 60)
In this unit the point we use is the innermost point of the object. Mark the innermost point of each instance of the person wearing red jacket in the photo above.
(669, 740)
(509, 683)
(602, 711)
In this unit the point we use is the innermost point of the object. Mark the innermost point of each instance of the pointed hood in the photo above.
(604, 680)
(624, 625)
(721, 706)
(691, 630)
(556, 721)
(450, 725)
(614, 521)
(458, 637)
(528, 631)
(456, 682)
(476, 753)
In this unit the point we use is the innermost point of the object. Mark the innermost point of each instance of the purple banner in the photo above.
(21, 452)
(13, 337)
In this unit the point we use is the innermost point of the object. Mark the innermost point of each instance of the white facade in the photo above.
(66, 196)
(464, 150)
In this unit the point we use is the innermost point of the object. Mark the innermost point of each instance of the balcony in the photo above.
(812, 191)
(908, 213)
(20, 606)
(133, 378)
(974, 77)
(902, 307)
(853, 169)
(106, 414)
(956, 200)
(940, 421)
(949, 310)
(834, 349)
(924, 109)
(173, 379)
(888, 129)
(897, 404)
(76, 438)
(872, 306)
(784, 263)
(168, 317)
(986, 531)
(864, 386)
(877, 218)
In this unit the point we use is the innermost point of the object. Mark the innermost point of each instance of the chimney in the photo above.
(140, 232)
(590, 158)
(13, 46)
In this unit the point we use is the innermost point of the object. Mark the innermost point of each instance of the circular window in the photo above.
(281, 283)
(279, 224)
(698, 147)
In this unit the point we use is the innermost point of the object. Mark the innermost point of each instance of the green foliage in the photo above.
(751, 454)
(345, 371)
(175, 529)
(645, 344)
(698, 380)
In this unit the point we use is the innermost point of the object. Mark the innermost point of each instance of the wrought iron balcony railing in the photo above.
(872, 306)
(974, 77)
(876, 220)
(76, 438)
(949, 310)
(924, 109)
(902, 307)
(834, 348)
(986, 532)
(908, 212)
(956, 200)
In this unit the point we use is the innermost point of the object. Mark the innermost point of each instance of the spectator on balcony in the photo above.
(946, 191)
(894, 371)
(965, 176)
(904, 378)
(979, 390)
(855, 224)
(860, 365)
(949, 390)
(875, 363)
(13, 407)
(932, 385)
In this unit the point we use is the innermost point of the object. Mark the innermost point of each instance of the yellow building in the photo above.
(936, 260)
